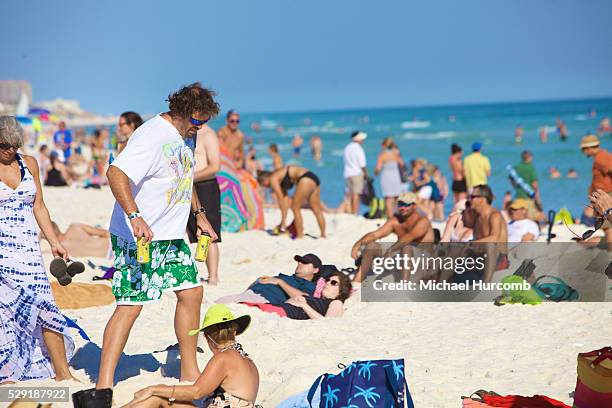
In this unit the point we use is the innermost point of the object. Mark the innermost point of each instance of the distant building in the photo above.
(11, 93)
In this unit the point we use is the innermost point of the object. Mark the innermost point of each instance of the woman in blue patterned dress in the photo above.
(34, 340)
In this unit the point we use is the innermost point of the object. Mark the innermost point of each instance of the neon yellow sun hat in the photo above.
(217, 314)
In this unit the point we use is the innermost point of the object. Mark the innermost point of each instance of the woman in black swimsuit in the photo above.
(307, 189)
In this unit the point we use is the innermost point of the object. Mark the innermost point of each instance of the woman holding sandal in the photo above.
(36, 343)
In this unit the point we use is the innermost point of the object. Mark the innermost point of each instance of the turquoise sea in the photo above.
(427, 132)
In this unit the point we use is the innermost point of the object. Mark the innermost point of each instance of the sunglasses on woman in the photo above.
(332, 282)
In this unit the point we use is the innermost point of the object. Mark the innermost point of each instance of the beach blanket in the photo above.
(241, 204)
(81, 295)
(491, 399)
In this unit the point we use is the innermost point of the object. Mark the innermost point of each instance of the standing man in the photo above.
(454, 161)
(207, 164)
(355, 171)
(62, 139)
(526, 186)
(152, 181)
(477, 167)
(232, 138)
(602, 175)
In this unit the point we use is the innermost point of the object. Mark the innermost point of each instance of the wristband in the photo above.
(200, 210)
(134, 215)
(171, 400)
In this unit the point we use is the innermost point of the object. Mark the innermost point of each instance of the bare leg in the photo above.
(115, 336)
(303, 189)
(389, 206)
(372, 250)
(158, 402)
(355, 203)
(57, 352)
(315, 205)
(212, 263)
(187, 317)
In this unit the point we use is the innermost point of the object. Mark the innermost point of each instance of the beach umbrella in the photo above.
(39, 111)
(24, 120)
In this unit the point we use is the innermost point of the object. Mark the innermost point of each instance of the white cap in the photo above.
(359, 136)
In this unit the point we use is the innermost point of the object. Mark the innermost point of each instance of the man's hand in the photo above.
(141, 229)
(601, 201)
(269, 280)
(355, 251)
(204, 226)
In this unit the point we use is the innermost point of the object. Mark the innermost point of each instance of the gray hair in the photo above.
(11, 132)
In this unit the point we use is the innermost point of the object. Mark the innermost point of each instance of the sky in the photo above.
(289, 55)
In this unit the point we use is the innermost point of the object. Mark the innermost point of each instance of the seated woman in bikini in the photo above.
(307, 189)
(229, 380)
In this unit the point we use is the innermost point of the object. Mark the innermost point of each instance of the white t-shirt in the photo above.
(354, 160)
(160, 167)
(516, 230)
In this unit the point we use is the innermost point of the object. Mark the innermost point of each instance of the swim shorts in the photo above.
(170, 268)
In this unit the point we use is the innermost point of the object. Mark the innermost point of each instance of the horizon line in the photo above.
(434, 105)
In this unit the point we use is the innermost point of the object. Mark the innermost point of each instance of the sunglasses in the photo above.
(5, 146)
(332, 282)
(234, 121)
(473, 196)
(599, 222)
(402, 204)
(196, 122)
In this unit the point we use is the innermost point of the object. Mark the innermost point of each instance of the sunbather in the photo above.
(84, 240)
(277, 289)
(229, 380)
(331, 303)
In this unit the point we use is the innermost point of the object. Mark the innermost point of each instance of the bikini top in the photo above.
(286, 183)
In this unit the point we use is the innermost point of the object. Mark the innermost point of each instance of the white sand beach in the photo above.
(450, 349)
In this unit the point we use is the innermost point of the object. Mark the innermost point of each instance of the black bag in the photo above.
(404, 174)
(93, 398)
(368, 192)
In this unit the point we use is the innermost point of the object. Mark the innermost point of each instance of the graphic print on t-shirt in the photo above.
(179, 159)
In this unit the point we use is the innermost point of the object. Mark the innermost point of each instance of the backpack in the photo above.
(364, 384)
(376, 209)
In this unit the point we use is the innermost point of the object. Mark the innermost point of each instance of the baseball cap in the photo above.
(476, 146)
(359, 136)
(589, 141)
(519, 203)
(408, 198)
(309, 259)
(327, 270)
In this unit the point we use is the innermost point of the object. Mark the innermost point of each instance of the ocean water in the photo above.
(428, 133)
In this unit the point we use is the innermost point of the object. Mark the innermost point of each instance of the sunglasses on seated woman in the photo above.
(332, 282)
(598, 224)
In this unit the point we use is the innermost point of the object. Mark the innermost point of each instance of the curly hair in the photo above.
(192, 99)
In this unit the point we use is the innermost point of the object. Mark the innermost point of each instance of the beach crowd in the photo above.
(167, 177)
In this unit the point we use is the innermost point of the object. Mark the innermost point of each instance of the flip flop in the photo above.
(75, 267)
(59, 269)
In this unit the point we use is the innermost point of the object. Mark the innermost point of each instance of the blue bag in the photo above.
(364, 384)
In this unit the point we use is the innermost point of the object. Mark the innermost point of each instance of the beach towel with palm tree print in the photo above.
(364, 384)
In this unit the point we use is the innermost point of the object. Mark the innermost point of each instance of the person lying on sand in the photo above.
(408, 224)
(278, 289)
(83, 240)
(336, 290)
(230, 379)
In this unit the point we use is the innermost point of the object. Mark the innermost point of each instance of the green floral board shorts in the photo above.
(170, 268)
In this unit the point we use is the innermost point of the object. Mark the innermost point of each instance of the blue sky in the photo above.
(281, 55)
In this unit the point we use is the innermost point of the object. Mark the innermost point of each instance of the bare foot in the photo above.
(67, 377)
(212, 282)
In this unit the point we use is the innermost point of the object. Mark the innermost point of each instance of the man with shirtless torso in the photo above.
(232, 138)
(207, 164)
(408, 224)
(489, 228)
(455, 163)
